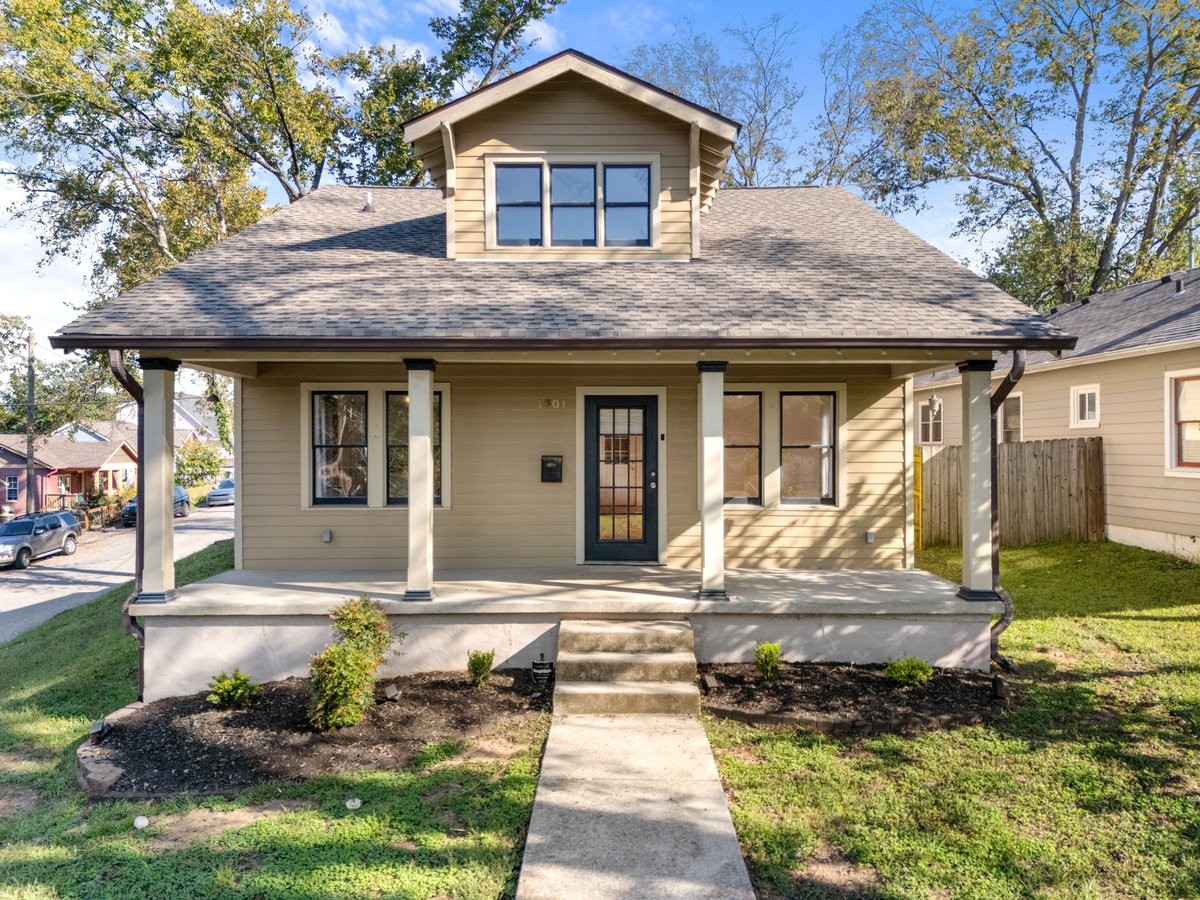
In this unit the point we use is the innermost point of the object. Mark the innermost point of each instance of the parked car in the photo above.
(222, 494)
(183, 508)
(27, 538)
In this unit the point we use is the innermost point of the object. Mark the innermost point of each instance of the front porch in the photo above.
(270, 622)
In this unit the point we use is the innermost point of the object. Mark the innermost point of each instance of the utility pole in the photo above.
(30, 474)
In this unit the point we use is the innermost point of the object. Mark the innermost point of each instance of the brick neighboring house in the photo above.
(65, 469)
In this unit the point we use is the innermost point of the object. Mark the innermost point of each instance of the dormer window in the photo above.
(572, 203)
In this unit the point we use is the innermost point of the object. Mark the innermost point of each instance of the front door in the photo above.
(621, 479)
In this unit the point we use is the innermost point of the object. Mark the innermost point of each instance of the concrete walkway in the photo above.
(630, 807)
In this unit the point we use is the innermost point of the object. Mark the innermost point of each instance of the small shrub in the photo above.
(908, 671)
(766, 660)
(234, 691)
(479, 664)
(342, 676)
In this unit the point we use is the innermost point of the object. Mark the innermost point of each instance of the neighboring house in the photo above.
(66, 469)
(574, 380)
(192, 419)
(1133, 379)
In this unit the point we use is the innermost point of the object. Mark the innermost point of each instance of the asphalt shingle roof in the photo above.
(61, 452)
(802, 265)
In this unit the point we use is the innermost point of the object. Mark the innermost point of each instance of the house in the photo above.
(1134, 379)
(573, 380)
(66, 469)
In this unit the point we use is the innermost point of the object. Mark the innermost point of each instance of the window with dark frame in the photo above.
(1187, 421)
(743, 447)
(339, 447)
(573, 206)
(931, 423)
(519, 205)
(807, 447)
(627, 206)
(397, 447)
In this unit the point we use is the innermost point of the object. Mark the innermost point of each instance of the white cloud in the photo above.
(547, 38)
(50, 295)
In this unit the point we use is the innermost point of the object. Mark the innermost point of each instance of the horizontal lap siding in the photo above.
(571, 114)
(503, 516)
(1133, 426)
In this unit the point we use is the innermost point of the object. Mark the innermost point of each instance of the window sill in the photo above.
(1085, 425)
(1182, 472)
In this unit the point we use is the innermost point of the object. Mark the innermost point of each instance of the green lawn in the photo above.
(1089, 787)
(445, 828)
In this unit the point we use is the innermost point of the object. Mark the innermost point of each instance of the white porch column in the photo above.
(420, 479)
(977, 480)
(712, 480)
(157, 513)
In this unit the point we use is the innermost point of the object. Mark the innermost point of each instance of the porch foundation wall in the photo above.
(183, 653)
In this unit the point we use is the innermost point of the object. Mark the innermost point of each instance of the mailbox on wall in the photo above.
(552, 467)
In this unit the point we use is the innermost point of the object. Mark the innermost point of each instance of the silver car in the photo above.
(27, 538)
(222, 494)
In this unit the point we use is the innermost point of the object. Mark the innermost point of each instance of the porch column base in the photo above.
(711, 594)
(157, 596)
(966, 593)
(418, 596)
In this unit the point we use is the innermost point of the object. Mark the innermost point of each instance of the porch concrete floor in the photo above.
(615, 590)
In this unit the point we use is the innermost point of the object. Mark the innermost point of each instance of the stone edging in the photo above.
(95, 771)
(851, 726)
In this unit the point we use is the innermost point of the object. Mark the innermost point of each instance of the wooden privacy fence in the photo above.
(1049, 491)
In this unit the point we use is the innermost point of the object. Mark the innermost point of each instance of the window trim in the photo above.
(1172, 467)
(599, 160)
(921, 407)
(12, 488)
(376, 442)
(747, 501)
(1076, 391)
(831, 500)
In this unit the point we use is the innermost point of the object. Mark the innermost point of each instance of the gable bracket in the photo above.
(451, 183)
(694, 185)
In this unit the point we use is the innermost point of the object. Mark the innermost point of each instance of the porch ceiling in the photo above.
(578, 591)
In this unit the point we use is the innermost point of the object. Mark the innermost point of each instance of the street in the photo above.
(55, 583)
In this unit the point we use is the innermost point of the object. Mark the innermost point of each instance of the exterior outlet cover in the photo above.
(870, 537)
(327, 536)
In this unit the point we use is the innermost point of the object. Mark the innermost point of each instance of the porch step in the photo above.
(610, 665)
(622, 668)
(664, 698)
(625, 636)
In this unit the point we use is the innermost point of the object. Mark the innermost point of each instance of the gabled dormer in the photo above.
(572, 159)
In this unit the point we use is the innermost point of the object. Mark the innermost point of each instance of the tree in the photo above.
(756, 90)
(64, 392)
(1070, 124)
(197, 463)
(485, 39)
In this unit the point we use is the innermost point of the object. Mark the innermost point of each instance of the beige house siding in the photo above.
(571, 115)
(502, 515)
(1140, 495)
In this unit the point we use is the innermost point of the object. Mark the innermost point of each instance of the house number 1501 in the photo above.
(552, 404)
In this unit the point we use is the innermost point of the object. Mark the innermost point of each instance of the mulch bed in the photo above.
(182, 744)
(839, 699)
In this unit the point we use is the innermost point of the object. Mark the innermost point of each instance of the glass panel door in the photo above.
(621, 513)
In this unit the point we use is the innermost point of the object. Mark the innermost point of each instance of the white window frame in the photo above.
(12, 488)
(1003, 423)
(921, 408)
(69, 479)
(653, 160)
(376, 442)
(1077, 391)
(1172, 468)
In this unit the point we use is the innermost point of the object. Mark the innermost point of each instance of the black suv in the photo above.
(27, 538)
(183, 507)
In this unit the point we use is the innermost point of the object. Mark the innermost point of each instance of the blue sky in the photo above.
(607, 29)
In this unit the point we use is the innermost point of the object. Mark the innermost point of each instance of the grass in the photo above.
(1088, 788)
(444, 828)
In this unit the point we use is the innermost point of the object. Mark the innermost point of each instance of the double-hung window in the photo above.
(571, 203)
(743, 448)
(12, 488)
(931, 422)
(1012, 420)
(1184, 422)
(339, 447)
(1085, 406)
(397, 447)
(807, 451)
